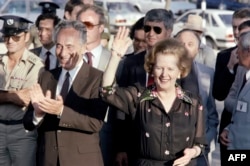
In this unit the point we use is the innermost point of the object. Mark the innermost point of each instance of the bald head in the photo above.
(191, 41)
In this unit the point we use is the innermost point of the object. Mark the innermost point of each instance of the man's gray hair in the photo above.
(160, 15)
(96, 9)
(244, 40)
(77, 25)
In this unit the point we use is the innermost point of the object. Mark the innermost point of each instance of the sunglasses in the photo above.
(15, 38)
(156, 29)
(89, 25)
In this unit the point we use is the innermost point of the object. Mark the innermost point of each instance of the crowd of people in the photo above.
(73, 101)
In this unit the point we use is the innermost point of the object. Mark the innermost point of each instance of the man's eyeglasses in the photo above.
(156, 29)
(15, 38)
(89, 25)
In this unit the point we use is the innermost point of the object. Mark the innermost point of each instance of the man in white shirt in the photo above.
(66, 107)
(94, 19)
(46, 24)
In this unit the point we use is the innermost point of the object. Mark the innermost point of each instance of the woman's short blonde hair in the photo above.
(169, 47)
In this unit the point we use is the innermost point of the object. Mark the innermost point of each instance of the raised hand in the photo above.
(121, 41)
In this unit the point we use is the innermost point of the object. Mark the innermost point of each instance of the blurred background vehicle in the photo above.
(177, 6)
(120, 12)
(29, 9)
(218, 30)
(224, 4)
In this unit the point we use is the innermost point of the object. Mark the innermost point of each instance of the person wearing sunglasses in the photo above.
(19, 70)
(157, 26)
(106, 33)
(93, 18)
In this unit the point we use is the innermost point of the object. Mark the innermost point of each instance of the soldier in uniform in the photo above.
(19, 70)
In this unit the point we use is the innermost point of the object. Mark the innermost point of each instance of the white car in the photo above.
(27, 8)
(120, 12)
(177, 6)
(218, 28)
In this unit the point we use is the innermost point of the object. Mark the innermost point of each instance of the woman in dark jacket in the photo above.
(169, 122)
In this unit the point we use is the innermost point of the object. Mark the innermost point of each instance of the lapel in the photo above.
(77, 86)
(140, 72)
(52, 84)
(246, 88)
(104, 59)
(79, 82)
(37, 51)
(204, 81)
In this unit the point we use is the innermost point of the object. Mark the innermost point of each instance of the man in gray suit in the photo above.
(94, 19)
(98, 56)
(235, 136)
(46, 24)
(200, 80)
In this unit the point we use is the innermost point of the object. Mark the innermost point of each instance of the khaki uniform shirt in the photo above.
(24, 75)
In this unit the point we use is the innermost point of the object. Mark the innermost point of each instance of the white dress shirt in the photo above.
(247, 75)
(73, 73)
(96, 52)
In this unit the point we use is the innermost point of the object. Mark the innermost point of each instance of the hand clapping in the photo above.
(45, 104)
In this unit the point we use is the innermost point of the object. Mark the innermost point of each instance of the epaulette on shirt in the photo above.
(32, 59)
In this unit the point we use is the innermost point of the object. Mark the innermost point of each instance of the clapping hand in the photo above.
(36, 95)
(44, 103)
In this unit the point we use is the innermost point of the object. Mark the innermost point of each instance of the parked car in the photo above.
(177, 6)
(224, 4)
(120, 12)
(26, 8)
(218, 30)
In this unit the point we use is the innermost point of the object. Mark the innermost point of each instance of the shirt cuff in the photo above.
(59, 116)
(231, 71)
(36, 119)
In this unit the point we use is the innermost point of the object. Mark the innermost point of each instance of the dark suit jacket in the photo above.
(133, 70)
(37, 52)
(223, 79)
(75, 136)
